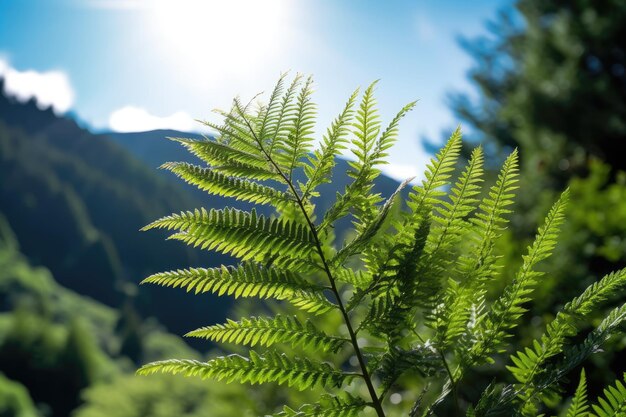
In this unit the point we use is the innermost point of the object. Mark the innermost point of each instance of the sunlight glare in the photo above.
(211, 40)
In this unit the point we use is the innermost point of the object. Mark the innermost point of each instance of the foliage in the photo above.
(165, 396)
(543, 65)
(54, 343)
(14, 399)
(550, 80)
(411, 286)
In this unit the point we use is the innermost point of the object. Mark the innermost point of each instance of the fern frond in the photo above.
(614, 402)
(401, 267)
(477, 267)
(490, 218)
(322, 161)
(450, 319)
(279, 125)
(530, 361)
(579, 405)
(597, 293)
(530, 365)
(401, 260)
(438, 171)
(329, 406)
(366, 129)
(229, 160)
(450, 215)
(389, 136)
(396, 296)
(507, 309)
(357, 194)
(237, 132)
(269, 331)
(397, 361)
(247, 280)
(573, 356)
(270, 115)
(245, 235)
(366, 236)
(212, 181)
(301, 373)
(296, 145)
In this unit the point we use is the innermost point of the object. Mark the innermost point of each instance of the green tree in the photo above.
(552, 81)
(411, 288)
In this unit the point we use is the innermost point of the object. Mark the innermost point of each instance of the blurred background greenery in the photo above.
(550, 79)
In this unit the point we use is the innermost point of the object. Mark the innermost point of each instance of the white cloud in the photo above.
(401, 172)
(137, 119)
(50, 88)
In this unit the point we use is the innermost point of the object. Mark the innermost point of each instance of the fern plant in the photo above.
(411, 285)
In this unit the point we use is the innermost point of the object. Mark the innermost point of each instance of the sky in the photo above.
(132, 65)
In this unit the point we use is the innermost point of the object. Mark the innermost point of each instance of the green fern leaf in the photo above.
(450, 319)
(366, 129)
(271, 115)
(402, 273)
(212, 181)
(614, 402)
(245, 235)
(281, 121)
(579, 405)
(508, 308)
(322, 161)
(389, 136)
(450, 215)
(293, 149)
(269, 331)
(247, 280)
(490, 220)
(366, 236)
(529, 363)
(438, 171)
(230, 161)
(329, 406)
(301, 373)
(236, 131)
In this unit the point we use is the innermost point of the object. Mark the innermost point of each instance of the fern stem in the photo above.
(353, 339)
(452, 380)
(446, 365)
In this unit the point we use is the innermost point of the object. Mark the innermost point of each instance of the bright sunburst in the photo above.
(213, 40)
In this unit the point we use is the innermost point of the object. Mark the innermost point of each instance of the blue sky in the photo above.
(137, 64)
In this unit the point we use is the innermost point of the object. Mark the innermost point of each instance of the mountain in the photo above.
(76, 202)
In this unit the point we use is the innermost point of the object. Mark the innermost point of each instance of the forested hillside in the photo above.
(76, 202)
(54, 342)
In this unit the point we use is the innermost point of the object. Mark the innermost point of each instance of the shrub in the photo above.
(411, 285)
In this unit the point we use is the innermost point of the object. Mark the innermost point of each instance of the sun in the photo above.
(213, 40)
